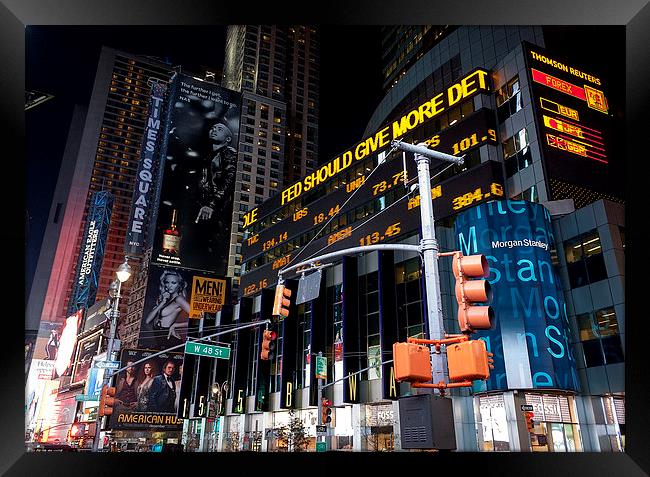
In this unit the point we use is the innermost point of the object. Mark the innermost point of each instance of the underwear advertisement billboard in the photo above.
(531, 336)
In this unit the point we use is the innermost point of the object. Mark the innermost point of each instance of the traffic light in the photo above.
(106, 401)
(412, 362)
(327, 411)
(268, 344)
(468, 360)
(530, 424)
(469, 292)
(282, 302)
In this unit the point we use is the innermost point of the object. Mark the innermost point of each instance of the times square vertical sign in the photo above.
(145, 193)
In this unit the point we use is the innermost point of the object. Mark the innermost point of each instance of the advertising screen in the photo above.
(195, 205)
(91, 255)
(67, 343)
(147, 393)
(531, 339)
(87, 349)
(479, 184)
(576, 124)
(169, 296)
(97, 314)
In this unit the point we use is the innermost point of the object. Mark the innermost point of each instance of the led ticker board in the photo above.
(477, 185)
(475, 82)
(473, 131)
(574, 121)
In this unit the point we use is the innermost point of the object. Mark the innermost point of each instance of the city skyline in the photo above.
(374, 109)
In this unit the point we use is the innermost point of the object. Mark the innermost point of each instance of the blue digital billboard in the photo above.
(531, 336)
(91, 257)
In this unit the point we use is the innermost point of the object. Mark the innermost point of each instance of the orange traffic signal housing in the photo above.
(268, 345)
(530, 424)
(326, 417)
(281, 303)
(106, 401)
(468, 292)
(412, 362)
(468, 360)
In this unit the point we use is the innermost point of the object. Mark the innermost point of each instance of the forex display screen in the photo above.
(575, 122)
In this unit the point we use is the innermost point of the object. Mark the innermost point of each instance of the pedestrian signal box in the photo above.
(468, 360)
(412, 362)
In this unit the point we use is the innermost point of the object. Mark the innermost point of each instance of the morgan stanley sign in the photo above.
(144, 196)
(531, 337)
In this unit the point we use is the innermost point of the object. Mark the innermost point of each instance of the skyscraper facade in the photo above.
(277, 70)
(102, 154)
(537, 133)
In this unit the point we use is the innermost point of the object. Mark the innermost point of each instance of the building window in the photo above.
(516, 153)
(585, 262)
(409, 301)
(369, 315)
(509, 99)
(530, 195)
(598, 332)
(304, 323)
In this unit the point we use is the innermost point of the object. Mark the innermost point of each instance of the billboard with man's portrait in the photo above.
(147, 393)
(196, 197)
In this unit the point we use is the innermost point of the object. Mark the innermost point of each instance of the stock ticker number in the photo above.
(383, 186)
(473, 140)
(477, 195)
(320, 218)
(255, 287)
(375, 237)
(269, 244)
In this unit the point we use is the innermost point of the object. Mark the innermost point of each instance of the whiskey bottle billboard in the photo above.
(199, 176)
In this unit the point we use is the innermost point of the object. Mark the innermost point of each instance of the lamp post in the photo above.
(123, 274)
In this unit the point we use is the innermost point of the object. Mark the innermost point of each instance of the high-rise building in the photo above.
(277, 70)
(403, 45)
(102, 153)
(535, 196)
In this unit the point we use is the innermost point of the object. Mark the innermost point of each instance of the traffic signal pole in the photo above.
(429, 247)
(108, 374)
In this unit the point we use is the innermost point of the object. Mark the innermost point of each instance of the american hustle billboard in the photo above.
(147, 393)
(575, 122)
(195, 206)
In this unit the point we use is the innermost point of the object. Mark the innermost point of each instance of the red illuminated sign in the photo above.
(558, 84)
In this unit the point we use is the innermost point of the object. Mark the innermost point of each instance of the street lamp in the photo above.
(123, 274)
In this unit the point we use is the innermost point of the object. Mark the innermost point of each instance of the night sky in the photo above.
(62, 60)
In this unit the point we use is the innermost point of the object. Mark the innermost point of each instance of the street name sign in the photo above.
(87, 397)
(526, 407)
(211, 351)
(107, 364)
(321, 367)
